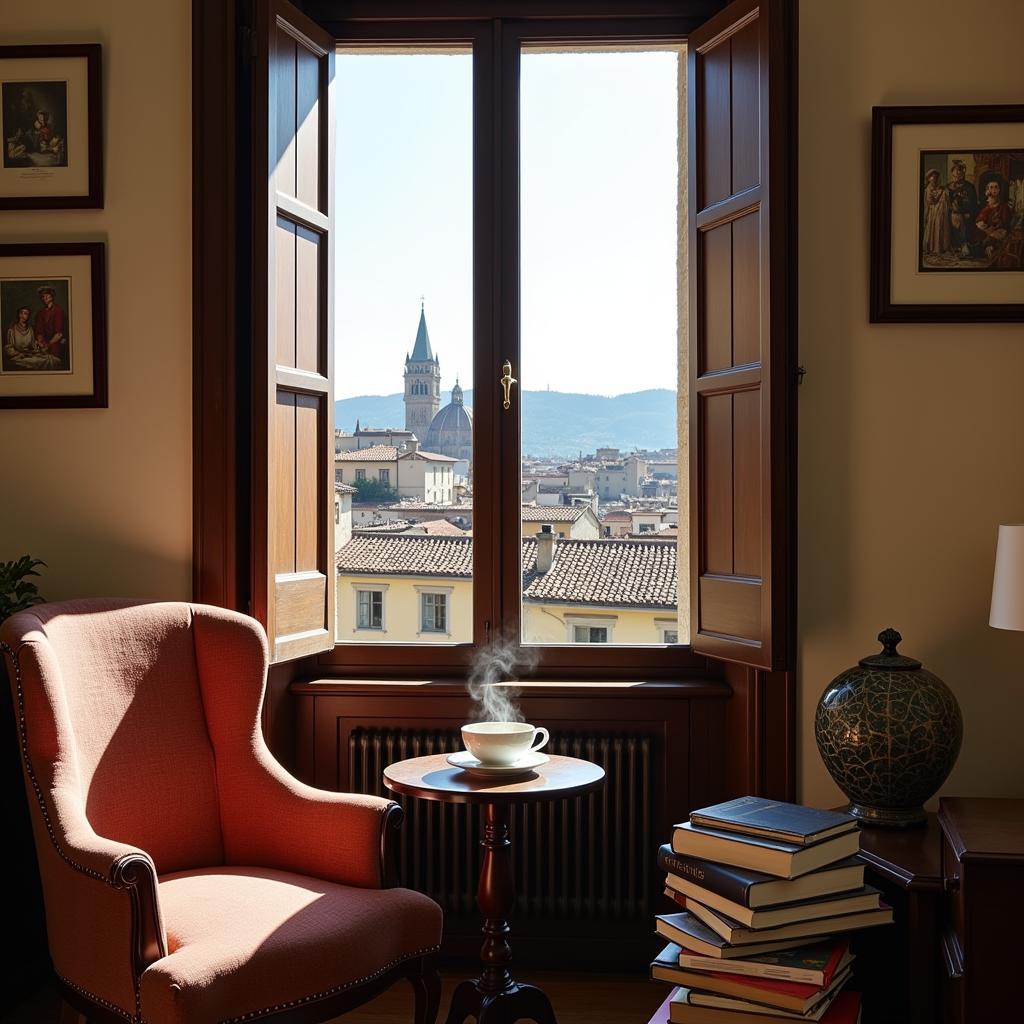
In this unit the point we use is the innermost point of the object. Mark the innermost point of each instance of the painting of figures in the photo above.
(35, 124)
(36, 325)
(972, 211)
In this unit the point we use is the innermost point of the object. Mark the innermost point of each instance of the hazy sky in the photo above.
(598, 196)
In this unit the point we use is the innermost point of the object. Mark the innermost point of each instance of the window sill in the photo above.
(654, 690)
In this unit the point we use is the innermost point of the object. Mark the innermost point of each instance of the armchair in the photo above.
(187, 877)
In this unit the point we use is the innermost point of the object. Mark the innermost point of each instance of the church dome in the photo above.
(451, 430)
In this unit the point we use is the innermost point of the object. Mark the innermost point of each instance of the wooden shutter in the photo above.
(293, 398)
(740, 336)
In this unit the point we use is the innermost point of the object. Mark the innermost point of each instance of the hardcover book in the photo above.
(864, 898)
(756, 889)
(738, 935)
(757, 853)
(783, 995)
(813, 963)
(792, 823)
(690, 932)
(844, 1009)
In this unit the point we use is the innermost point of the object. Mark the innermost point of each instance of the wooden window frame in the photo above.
(760, 719)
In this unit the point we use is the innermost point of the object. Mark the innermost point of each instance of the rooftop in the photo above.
(344, 489)
(426, 506)
(407, 555)
(375, 453)
(630, 573)
(553, 513)
(619, 573)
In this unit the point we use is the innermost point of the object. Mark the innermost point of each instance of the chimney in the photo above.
(413, 444)
(545, 548)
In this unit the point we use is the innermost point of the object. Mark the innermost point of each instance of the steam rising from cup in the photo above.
(493, 669)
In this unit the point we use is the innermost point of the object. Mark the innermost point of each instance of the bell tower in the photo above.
(422, 383)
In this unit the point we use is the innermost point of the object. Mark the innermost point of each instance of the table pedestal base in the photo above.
(506, 1007)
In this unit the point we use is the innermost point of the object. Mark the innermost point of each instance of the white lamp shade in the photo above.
(1008, 583)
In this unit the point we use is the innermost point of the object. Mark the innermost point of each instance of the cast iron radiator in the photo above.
(583, 857)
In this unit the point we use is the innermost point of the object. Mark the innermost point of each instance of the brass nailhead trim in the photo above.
(23, 741)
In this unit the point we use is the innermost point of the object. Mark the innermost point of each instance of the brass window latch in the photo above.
(507, 380)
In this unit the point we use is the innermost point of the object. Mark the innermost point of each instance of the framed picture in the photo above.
(947, 214)
(50, 127)
(53, 353)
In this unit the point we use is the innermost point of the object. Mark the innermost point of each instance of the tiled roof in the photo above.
(375, 453)
(633, 573)
(616, 517)
(553, 513)
(407, 555)
(623, 573)
(345, 489)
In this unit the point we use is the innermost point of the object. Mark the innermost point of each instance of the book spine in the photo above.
(705, 874)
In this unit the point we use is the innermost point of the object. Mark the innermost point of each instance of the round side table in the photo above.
(494, 998)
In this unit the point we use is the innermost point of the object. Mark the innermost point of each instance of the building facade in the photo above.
(422, 383)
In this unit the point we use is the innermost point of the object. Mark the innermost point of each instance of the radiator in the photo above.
(583, 857)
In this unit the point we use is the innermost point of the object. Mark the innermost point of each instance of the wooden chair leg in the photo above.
(426, 984)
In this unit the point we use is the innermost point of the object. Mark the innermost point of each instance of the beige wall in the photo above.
(910, 436)
(402, 609)
(104, 495)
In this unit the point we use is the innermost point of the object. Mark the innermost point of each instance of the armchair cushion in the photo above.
(245, 940)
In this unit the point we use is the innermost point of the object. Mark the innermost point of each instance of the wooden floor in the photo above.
(577, 999)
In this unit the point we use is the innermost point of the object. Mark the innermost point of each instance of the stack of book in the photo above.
(767, 893)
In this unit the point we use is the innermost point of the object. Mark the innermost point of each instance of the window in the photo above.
(433, 612)
(590, 634)
(360, 475)
(385, 477)
(370, 609)
(738, 366)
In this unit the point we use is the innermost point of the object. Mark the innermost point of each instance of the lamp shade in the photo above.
(1008, 583)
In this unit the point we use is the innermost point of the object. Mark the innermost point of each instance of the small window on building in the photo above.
(590, 634)
(385, 476)
(369, 609)
(434, 613)
(360, 474)
(670, 636)
(646, 528)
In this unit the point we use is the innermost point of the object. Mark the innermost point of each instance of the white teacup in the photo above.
(502, 743)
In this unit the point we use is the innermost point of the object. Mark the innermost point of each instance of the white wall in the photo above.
(105, 495)
(910, 436)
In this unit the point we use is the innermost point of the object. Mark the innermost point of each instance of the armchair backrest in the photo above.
(113, 715)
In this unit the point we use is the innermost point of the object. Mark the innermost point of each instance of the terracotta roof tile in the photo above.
(625, 573)
(553, 513)
(375, 453)
(607, 572)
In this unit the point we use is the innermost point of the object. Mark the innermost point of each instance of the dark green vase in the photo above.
(889, 733)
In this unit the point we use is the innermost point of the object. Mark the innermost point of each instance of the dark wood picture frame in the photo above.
(97, 398)
(92, 199)
(882, 308)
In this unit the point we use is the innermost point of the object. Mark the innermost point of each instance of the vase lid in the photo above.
(890, 658)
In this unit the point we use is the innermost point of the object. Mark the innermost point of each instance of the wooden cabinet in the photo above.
(982, 859)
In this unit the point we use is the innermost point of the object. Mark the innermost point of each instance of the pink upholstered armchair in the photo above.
(188, 878)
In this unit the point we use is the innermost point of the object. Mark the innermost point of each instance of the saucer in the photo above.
(469, 764)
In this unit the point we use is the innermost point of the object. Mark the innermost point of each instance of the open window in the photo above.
(467, 518)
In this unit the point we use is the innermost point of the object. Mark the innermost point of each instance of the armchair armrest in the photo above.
(274, 820)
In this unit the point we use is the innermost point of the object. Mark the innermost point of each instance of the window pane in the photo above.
(599, 189)
(403, 342)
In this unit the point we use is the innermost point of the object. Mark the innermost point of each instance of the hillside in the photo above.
(555, 423)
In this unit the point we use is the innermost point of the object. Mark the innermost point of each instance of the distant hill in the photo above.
(555, 423)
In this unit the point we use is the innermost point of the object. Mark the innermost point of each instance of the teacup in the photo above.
(502, 743)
